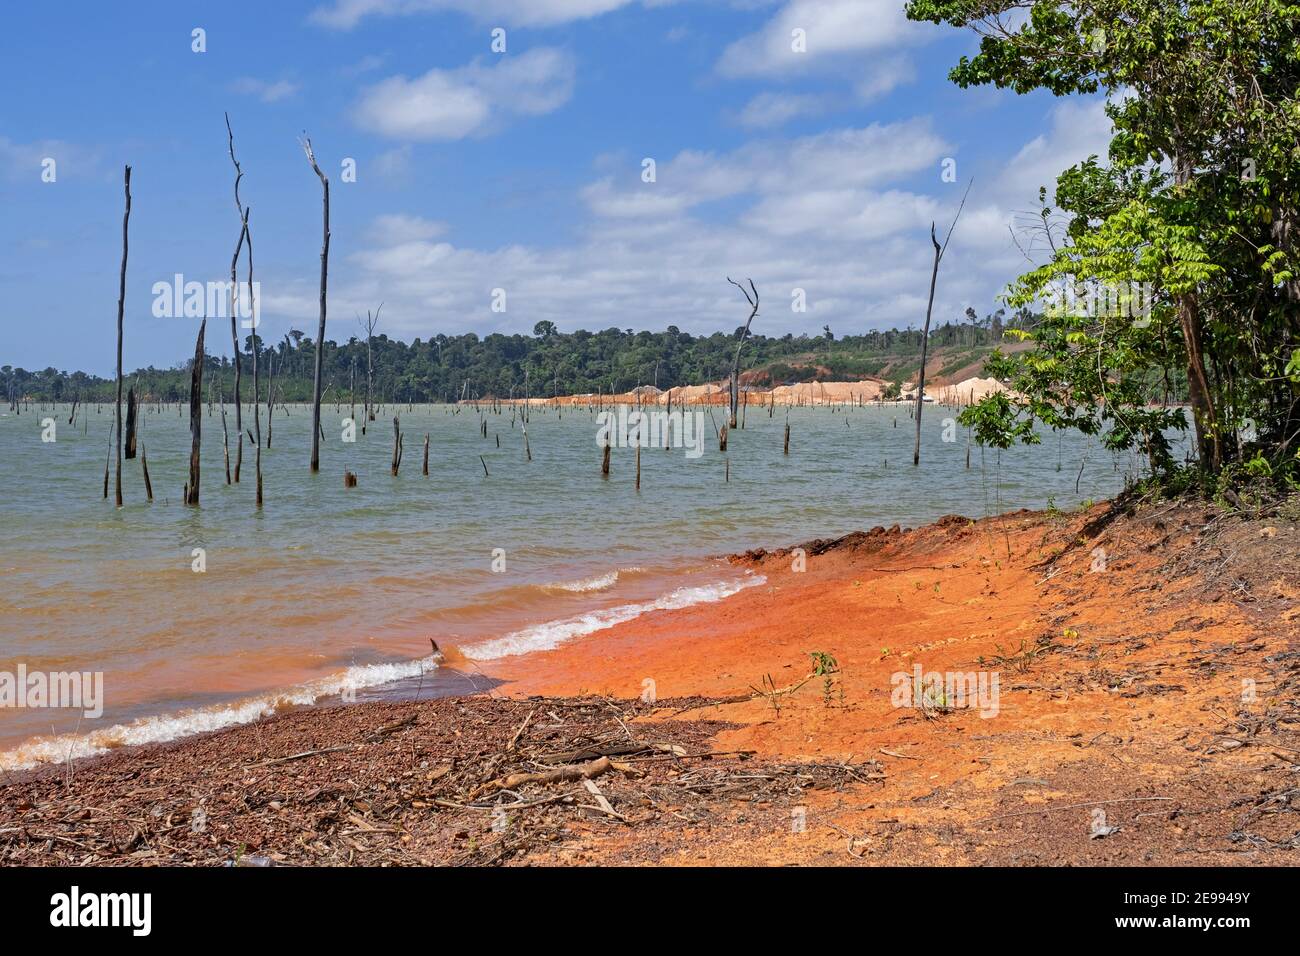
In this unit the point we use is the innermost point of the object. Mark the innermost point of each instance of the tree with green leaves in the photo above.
(1172, 263)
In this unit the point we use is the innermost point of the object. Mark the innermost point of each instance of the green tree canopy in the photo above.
(1181, 244)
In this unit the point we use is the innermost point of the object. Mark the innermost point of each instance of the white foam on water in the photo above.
(544, 637)
(598, 583)
(164, 727)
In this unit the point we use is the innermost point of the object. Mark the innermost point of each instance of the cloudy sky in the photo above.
(803, 143)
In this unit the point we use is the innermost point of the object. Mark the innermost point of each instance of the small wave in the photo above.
(598, 583)
(543, 637)
(152, 730)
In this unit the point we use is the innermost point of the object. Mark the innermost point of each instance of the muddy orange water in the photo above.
(198, 618)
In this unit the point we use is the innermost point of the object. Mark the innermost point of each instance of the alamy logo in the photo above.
(1100, 300)
(134, 910)
(977, 690)
(72, 690)
(629, 428)
(213, 300)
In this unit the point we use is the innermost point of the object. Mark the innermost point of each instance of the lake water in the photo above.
(328, 587)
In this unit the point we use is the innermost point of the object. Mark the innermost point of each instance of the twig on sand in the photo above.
(891, 753)
(605, 805)
(1071, 806)
(302, 756)
(518, 733)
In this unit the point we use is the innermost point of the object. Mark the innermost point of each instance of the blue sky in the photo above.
(817, 169)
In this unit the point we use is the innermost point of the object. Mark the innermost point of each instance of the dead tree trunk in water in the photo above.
(397, 445)
(270, 394)
(929, 309)
(371, 323)
(196, 418)
(130, 424)
(144, 466)
(234, 298)
(121, 307)
(735, 368)
(108, 456)
(225, 436)
(253, 321)
(324, 277)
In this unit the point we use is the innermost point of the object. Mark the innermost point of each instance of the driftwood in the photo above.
(568, 774)
(196, 418)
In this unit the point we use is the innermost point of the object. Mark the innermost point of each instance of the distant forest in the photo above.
(445, 368)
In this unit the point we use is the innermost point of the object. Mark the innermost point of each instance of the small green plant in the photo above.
(825, 666)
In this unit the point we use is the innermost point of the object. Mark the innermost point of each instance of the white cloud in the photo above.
(768, 110)
(844, 159)
(346, 14)
(394, 164)
(883, 75)
(452, 104)
(366, 64)
(841, 213)
(26, 161)
(397, 228)
(266, 91)
(1078, 129)
(837, 33)
(823, 213)
(844, 215)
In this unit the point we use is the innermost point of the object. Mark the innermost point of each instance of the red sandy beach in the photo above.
(1145, 713)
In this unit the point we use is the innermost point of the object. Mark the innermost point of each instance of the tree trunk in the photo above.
(130, 424)
(234, 342)
(320, 330)
(925, 342)
(735, 368)
(196, 418)
(270, 393)
(121, 307)
(1198, 384)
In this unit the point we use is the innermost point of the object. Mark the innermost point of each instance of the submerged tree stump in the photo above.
(196, 418)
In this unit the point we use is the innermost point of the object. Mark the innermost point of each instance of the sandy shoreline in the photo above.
(1156, 689)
